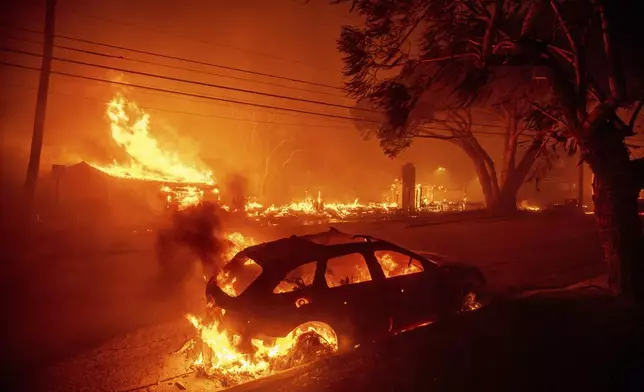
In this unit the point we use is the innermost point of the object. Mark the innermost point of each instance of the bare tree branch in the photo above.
(486, 50)
(446, 58)
(546, 113)
(532, 13)
(562, 23)
(290, 158)
(479, 11)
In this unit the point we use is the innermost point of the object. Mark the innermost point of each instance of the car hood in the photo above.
(454, 269)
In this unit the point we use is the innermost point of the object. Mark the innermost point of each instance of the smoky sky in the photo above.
(289, 153)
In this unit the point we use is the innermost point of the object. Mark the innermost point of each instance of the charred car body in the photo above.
(363, 288)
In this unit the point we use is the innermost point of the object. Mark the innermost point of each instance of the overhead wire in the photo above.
(154, 63)
(147, 107)
(195, 82)
(243, 103)
(202, 41)
(207, 97)
(224, 87)
(177, 58)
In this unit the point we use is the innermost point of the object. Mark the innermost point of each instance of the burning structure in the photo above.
(153, 174)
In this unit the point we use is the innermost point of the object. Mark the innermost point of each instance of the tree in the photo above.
(586, 50)
(436, 115)
(271, 150)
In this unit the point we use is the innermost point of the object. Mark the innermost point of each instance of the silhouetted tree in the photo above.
(436, 116)
(271, 150)
(586, 50)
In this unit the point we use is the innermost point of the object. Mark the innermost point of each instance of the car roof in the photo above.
(291, 252)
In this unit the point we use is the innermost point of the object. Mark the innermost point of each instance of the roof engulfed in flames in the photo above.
(130, 127)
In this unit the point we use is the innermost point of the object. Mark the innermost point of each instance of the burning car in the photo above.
(361, 288)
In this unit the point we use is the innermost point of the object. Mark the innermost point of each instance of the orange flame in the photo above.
(130, 127)
(220, 356)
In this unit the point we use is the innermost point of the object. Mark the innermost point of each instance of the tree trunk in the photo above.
(485, 179)
(615, 194)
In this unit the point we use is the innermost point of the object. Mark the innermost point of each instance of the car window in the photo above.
(346, 269)
(397, 264)
(238, 274)
(297, 279)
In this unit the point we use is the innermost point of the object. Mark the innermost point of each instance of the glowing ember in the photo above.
(316, 208)
(220, 356)
(527, 207)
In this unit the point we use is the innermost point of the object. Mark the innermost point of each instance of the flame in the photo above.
(528, 207)
(238, 242)
(221, 357)
(316, 208)
(391, 268)
(184, 184)
(130, 129)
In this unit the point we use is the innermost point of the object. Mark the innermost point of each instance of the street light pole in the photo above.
(41, 105)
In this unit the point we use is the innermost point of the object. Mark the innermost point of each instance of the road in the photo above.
(101, 296)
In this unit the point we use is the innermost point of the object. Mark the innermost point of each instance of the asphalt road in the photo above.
(88, 318)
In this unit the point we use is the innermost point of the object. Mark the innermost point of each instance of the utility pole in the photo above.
(41, 105)
(580, 183)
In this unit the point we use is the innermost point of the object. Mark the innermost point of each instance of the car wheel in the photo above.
(336, 337)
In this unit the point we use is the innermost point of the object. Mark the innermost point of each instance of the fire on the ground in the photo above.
(185, 184)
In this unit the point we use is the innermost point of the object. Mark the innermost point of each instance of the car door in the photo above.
(352, 300)
(410, 287)
(292, 297)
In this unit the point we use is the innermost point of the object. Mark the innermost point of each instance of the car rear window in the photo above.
(397, 264)
(346, 269)
(238, 275)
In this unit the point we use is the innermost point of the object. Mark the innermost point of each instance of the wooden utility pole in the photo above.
(41, 105)
(580, 184)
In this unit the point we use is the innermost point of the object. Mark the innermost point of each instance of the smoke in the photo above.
(237, 192)
(200, 230)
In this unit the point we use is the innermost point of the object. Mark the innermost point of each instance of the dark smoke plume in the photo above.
(198, 229)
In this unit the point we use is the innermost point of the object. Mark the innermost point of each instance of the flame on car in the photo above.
(221, 357)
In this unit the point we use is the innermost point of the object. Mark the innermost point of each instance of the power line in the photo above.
(181, 68)
(206, 97)
(170, 78)
(147, 107)
(185, 113)
(229, 88)
(268, 75)
(216, 86)
(196, 95)
(269, 55)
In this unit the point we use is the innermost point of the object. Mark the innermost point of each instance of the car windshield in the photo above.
(238, 274)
